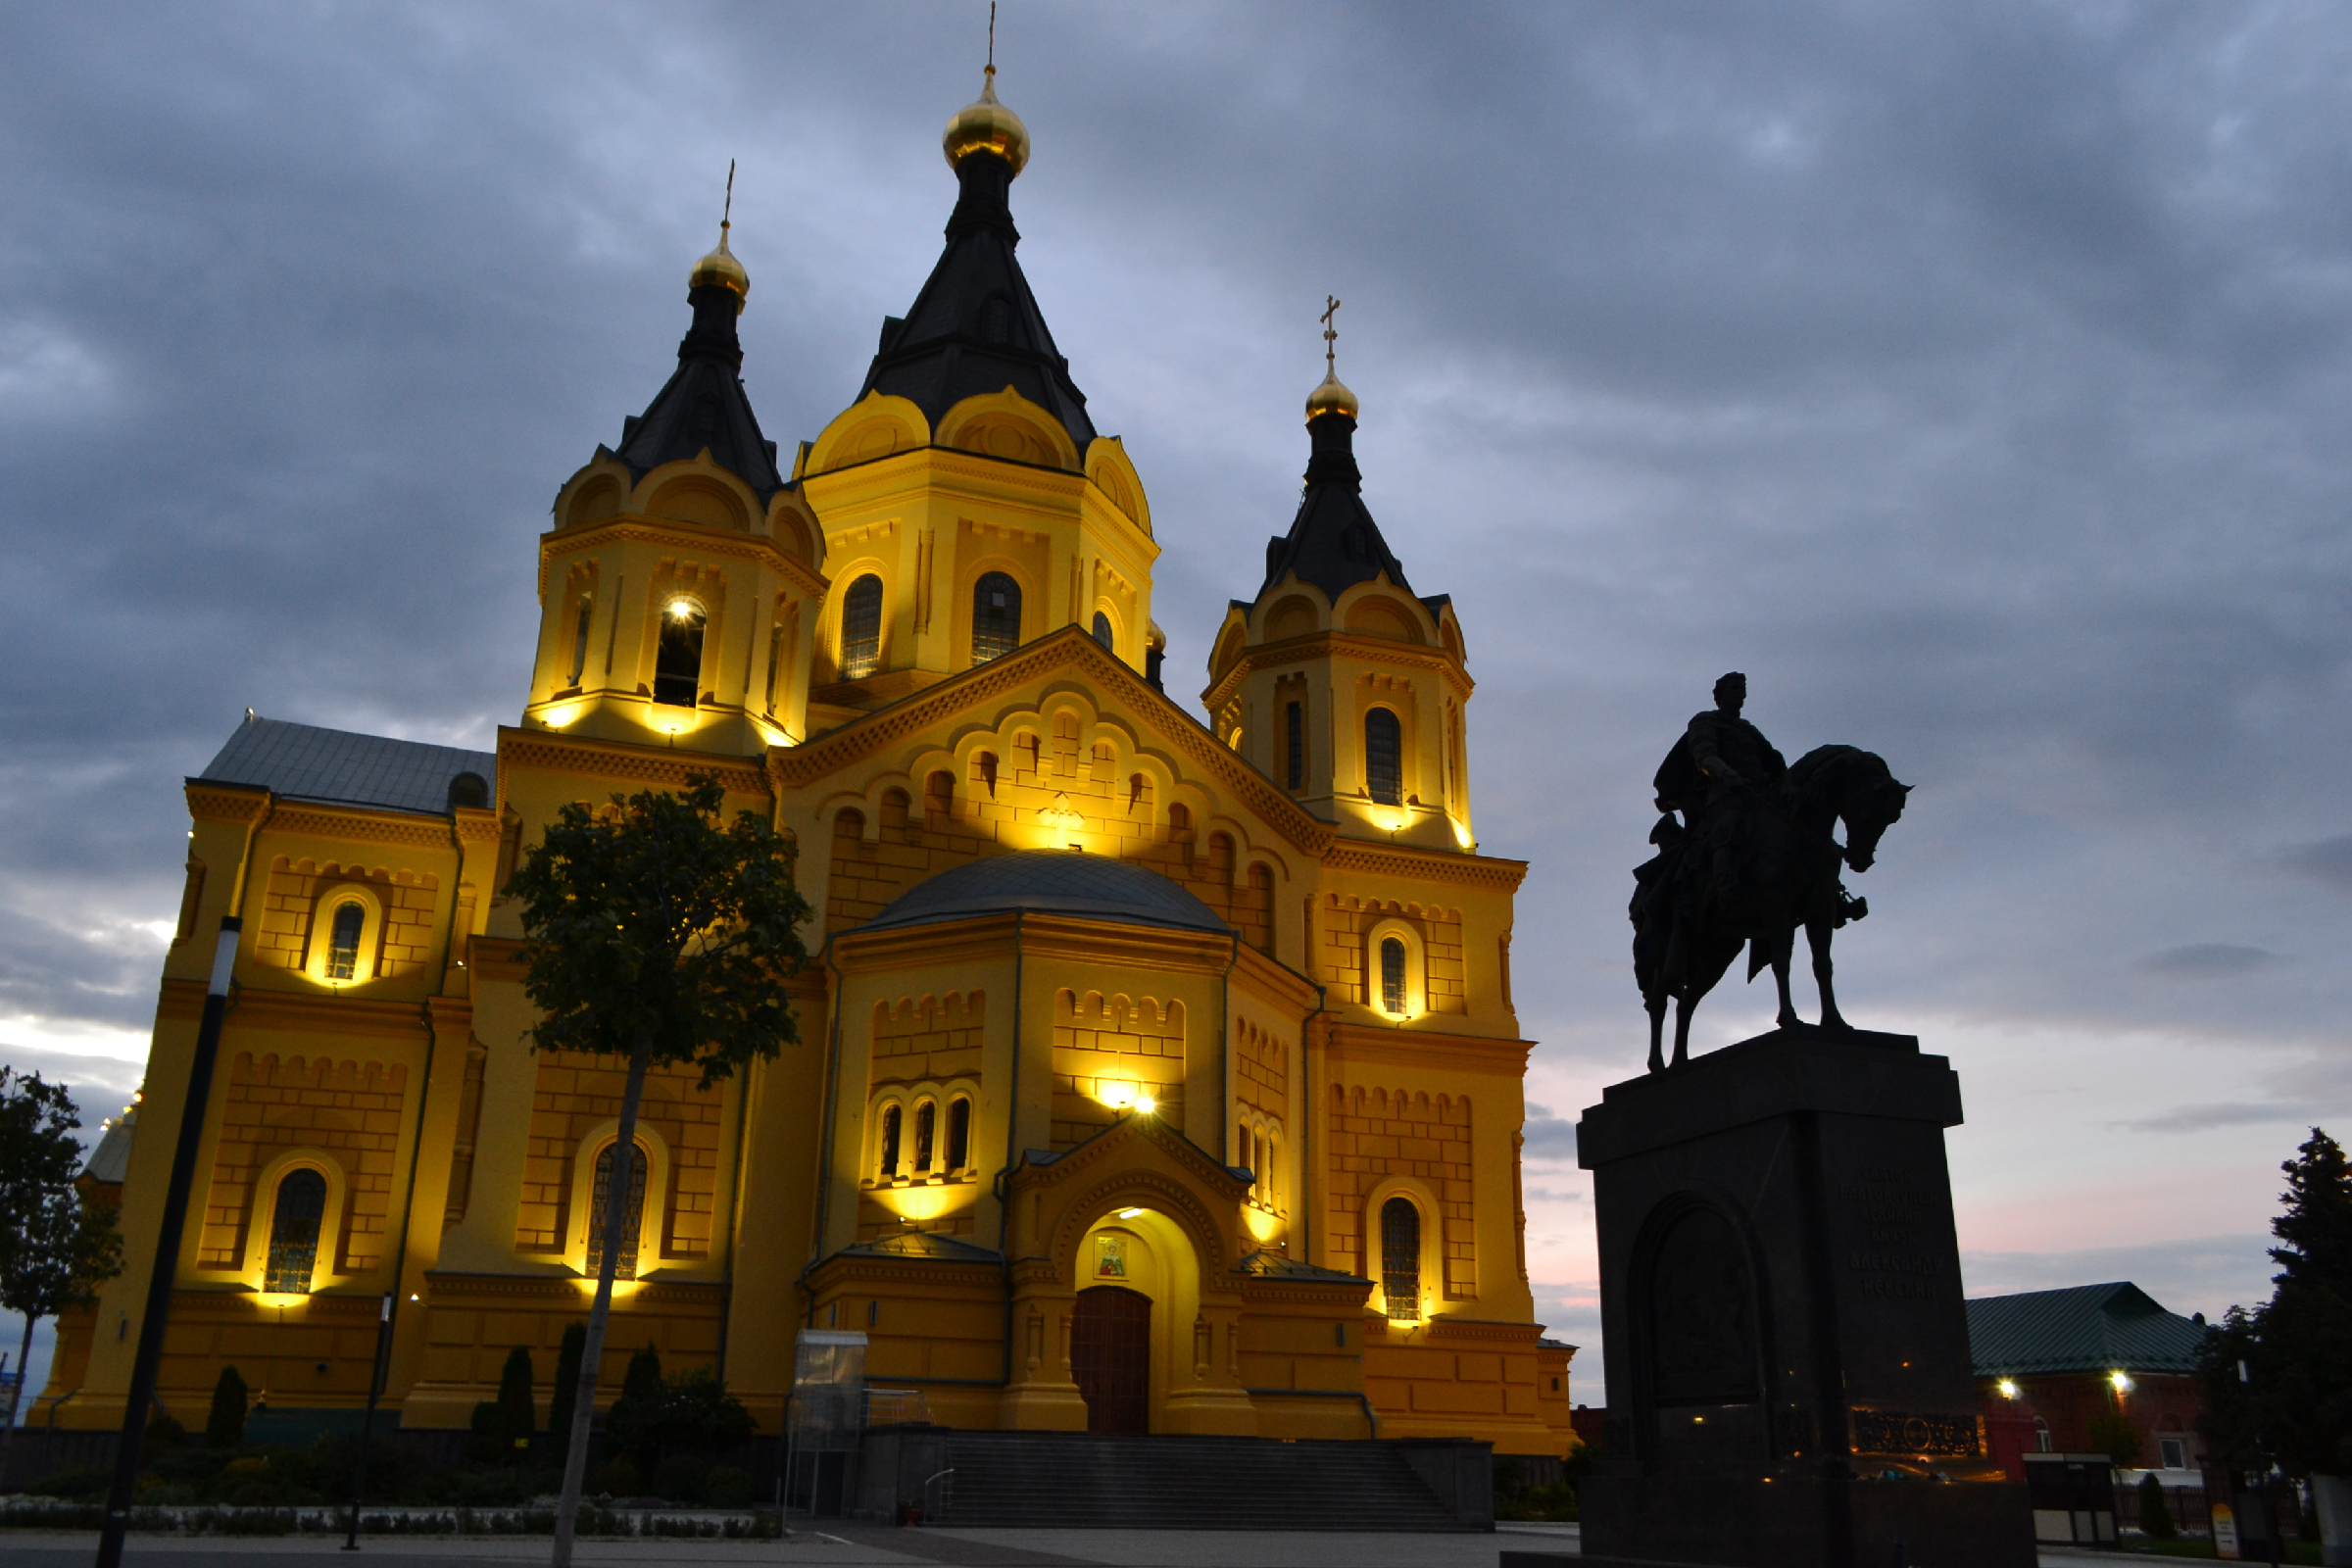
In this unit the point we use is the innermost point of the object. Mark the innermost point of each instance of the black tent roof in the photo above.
(1333, 541)
(703, 405)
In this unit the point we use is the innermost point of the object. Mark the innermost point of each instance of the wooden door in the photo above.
(1111, 1355)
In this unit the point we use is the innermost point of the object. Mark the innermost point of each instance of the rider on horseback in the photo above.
(1717, 776)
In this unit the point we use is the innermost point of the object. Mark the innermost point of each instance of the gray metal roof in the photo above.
(1093, 887)
(922, 1243)
(2116, 1327)
(109, 1160)
(305, 763)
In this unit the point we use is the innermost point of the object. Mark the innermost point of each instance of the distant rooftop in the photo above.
(2086, 1328)
(109, 1161)
(305, 762)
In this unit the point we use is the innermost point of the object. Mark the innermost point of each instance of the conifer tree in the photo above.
(567, 1391)
(224, 1425)
(655, 933)
(517, 1414)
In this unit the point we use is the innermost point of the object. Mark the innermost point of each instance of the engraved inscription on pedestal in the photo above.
(1704, 1314)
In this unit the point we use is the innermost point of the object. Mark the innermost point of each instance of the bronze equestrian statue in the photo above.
(1746, 855)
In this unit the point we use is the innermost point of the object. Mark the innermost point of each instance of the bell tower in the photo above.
(968, 504)
(1337, 681)
(680, 586)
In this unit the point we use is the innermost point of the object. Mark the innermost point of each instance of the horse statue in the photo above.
(1757, 865)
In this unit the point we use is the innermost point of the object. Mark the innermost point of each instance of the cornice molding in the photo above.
(362, 824)
(538, 752)
(1324, 644)
(225, 802)
(253, 1008)
(1363, 1044)
(497, 959)
(1380, 859)
(638, 528)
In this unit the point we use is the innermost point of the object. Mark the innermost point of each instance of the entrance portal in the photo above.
(1111, 1357)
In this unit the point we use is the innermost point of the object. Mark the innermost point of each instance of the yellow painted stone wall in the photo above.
(346, 1111)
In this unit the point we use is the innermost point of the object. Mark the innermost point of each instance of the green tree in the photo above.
(655, 932)
(517, 1412)
(57, 1248)
(2291, 1403)
(2114, 1436)
(567, 1391)
(224, 1424)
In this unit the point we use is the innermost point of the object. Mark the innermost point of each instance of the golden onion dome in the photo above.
(1331, 397)
(986, 125)
(721, 269)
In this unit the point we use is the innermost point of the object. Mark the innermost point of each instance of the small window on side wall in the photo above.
(1400, 1258)
(887, 1166)
(678, 654)
(1101, 628)
(1293, 742)
(632, 1213)
(1383, 757)
(294, 1223)
(926, 1121)
(343, 941)
(862, 627)
(1394, 995)
(960, 1134)
(996, 616)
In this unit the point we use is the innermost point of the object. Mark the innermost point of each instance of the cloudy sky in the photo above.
(1973, 376)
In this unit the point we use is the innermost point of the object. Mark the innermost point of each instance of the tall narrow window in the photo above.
(1101, 628)
(862, 627)
(579, 642)
(996, 616)
(1400, 1257)
(926, 1116)
(294, 1233)
(775, 661)
(678, 657)
(1383, 757)
(601, 1200)
(1392, 993)
(888, 1166)
(343, 941)
(1294, 736)
(960, 1134)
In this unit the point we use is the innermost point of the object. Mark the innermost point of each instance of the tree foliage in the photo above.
(567, 1391)
(2292, 1406)
(56, 1248)
(657, 1418)
(224, 1424)
(649, 926)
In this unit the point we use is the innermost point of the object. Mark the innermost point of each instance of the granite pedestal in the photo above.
(1787, 1349)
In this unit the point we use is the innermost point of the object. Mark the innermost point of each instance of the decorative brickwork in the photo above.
(1376, 1134)
(292, 900)
(929, 1039)
(349, 1111)
(578, 1092)
(1107, 1048)
(1346, 923)
(1263, 1068)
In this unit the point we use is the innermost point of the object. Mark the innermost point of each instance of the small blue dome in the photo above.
(1088, 887)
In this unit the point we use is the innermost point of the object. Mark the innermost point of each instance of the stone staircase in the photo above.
(1055, 1480)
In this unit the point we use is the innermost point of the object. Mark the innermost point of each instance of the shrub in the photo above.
(77, 1482)
(518, 1416)
(689, 1414)
(726, 1487)
(564, 1396)
(2113, 1436)
(619, 1478)
(679, 1476)
(224, 1426)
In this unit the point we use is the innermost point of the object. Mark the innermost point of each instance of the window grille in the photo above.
(1392, 993)
(1294, 727)
(343, 941)
(862, 627)
(925, 1116)
(960, 1134)
(996, 617)
(1101, 628)
(1383, 757)
(1400, 1258)
(294, 1233)
(631, 1218)
(579, 643)
(888, 1164)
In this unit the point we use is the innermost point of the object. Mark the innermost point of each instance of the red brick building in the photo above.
(2049, 1364)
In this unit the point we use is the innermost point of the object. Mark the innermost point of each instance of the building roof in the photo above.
(305, 763)
(109, 1157)
(703, 405)
(1333, 541)
(1092, 887)
(975, 327)
(2086, 1328)
(1283, 1266)
(922, 1243)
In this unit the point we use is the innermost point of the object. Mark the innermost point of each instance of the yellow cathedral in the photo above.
(1155, 1077)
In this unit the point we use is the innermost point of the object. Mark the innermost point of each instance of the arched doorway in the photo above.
(1110, 1360)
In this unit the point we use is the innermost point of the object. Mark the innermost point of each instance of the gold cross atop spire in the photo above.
(1331, 333)
(992, 38)
(1331, 397)
(727, 213)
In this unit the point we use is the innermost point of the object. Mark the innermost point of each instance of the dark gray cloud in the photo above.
(2199, 1117)
(2205, 1274)
(1972, 374)
(1549, 1138)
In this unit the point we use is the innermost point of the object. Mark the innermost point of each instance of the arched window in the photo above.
(960, 1134)
(1294, 735)
(294, 1232)
(888, 1165)
(678, 658)
(862, 627)
(1383, 757)
(1393, 996)
(1400, 1257)
(926, 1117)
(996, 616)
(343, 941)
(1101, 628)
(601, 1200)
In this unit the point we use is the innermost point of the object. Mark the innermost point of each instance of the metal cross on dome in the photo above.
(1331, 334)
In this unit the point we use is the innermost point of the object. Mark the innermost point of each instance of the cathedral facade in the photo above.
(1155, 1076)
